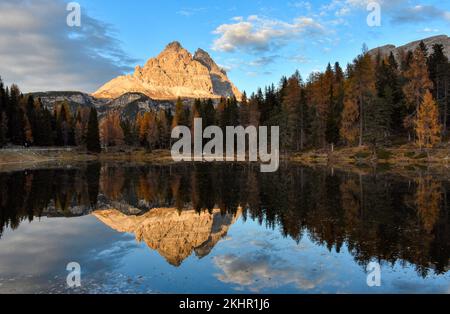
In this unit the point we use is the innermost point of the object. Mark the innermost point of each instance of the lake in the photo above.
(222, 228)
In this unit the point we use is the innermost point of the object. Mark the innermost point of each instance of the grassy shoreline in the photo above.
(361, 157)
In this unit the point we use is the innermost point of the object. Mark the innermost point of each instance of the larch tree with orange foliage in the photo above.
(349, 130)
(426, 123)
(111, 133)
(418, 83)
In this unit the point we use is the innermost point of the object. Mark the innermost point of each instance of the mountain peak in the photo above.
(174, 73)
(174, 45)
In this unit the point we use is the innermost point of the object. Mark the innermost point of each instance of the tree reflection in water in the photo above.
(379, 216)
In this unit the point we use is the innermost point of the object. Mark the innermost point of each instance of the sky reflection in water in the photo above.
(232, 255)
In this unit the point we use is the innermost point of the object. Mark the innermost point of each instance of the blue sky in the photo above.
(257, 41)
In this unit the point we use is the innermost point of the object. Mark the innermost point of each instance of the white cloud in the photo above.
(257, 271)
(256, 34)
(40, 52)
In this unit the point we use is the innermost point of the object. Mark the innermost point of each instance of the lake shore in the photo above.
(343, 158)
(17, 159)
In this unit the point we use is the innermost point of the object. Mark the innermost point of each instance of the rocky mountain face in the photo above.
(129, 104)
(173, 234)
(429, 42)
(173, 73)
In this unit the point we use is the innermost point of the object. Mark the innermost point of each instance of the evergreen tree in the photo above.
(45, 128)
(129, 132)
(15, 113)
(244, 110)
(209, 113)
(439, 69)
(3, 118)
(93, 134)
(290, 117)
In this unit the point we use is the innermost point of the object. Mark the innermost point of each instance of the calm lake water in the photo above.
(209, 228)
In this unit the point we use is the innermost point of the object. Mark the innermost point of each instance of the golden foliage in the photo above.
(427, 126)
(111, 133)
(349, 123)
(428, 201)
(418, 79)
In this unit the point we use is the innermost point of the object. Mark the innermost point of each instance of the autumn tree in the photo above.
(428, 201)
(418, 83)
(426, 123)
(349, 130)
(359, 91)
(362, 87)
(111, 133)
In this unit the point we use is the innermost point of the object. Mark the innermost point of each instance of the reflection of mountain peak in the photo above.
(173, 234)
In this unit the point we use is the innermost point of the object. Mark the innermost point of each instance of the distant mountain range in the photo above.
(444, 40)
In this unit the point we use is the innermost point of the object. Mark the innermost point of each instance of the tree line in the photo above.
(376, 100)
(25, 121)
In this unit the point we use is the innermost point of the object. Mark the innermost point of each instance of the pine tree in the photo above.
(393, 80)
(15, 114)
(427, 126)
(244, 110)
(93, 134)
(129, 132)
(3, 118)
(163, 129)
(439, 68)
(46, 137)
(290, 109)
(209, 113)
(254, 116)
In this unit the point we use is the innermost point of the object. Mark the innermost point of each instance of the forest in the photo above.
(376, 101)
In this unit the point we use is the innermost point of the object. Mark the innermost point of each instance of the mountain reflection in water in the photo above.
(179, 210)
(173, 234)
